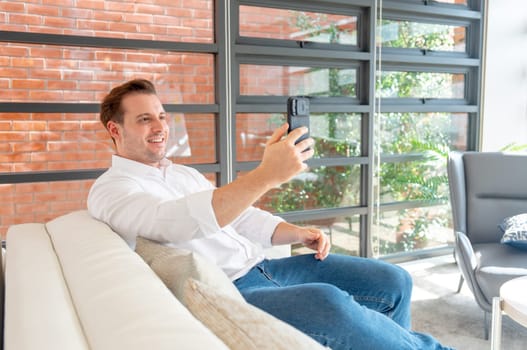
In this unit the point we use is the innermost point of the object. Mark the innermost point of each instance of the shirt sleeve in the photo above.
(132, 211)
(257, 225)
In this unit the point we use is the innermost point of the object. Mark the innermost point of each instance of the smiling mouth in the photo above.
(157, 139)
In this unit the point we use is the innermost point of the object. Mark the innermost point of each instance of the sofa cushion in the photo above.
(120, 301)
(174, 266)
(515, 231)
(241, 325)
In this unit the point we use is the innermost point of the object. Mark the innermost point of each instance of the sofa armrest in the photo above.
(39, 312)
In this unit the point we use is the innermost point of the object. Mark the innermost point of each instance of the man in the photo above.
(343, 302)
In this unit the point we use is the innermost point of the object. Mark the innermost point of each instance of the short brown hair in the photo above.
(111, 108)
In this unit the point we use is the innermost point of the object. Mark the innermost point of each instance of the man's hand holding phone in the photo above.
(298, 115)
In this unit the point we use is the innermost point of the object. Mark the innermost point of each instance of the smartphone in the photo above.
(298, 114)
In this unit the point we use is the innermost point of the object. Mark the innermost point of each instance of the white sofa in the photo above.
(72, 283)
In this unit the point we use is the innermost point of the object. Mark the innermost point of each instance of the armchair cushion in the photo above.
(515, 231)
(498, 263)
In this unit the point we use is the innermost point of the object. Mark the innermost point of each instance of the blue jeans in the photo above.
(343, 302)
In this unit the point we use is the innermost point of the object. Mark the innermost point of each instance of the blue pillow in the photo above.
(515, 231)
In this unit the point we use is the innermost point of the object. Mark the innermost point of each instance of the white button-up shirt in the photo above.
(173, 204)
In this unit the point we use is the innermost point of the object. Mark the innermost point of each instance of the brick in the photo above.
(62, 146)
(45, 157)
(84, 54)
(47, 30)
(44, 136)
(91, 125)
(7, 209)
(77, 75)
(42, 10)
(107, 16)
(91, 4)
(46, 73)
(183, 12)
(61, 85)
(123, 27)
(28, 84)
(30, 188)
(6, 147)
(29, 147)
(5, 125)
(50, 196)
(48, 96)
(138, 18)
(65, 185)
(13, 72)
(11, 6)
(29, 125)
(11, 136)
(63, 125)
(23, 18)
(111, 56)
(23, 167)
(80, 96)
(76, 13)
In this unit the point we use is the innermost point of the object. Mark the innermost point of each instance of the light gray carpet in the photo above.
(454, 319)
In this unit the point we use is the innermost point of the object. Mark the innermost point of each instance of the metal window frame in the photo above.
(230, 50)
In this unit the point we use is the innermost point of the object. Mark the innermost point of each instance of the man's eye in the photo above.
(144, 119)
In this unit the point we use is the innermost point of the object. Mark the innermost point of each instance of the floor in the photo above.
(453, 318)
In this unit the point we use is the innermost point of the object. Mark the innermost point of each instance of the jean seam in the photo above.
(268, 276)
(327, 340)
(377, 300)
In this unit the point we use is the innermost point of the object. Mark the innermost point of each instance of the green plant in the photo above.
(425, 135)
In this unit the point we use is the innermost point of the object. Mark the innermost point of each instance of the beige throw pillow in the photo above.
(174, 266)
(240, 325)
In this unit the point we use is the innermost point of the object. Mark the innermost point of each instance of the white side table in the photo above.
(513, 302)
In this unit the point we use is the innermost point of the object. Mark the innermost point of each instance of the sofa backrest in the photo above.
(75, 278)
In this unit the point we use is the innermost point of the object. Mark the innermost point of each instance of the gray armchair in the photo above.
(486, 187)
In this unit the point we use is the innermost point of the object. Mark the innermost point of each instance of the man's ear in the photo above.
(114, 129)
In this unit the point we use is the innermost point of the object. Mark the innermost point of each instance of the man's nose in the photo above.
(159, 124)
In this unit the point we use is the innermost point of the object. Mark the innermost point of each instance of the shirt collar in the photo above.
(138, 168)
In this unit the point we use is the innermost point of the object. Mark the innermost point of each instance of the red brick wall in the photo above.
(49, 73)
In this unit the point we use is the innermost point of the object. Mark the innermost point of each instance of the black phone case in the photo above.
(298, 114)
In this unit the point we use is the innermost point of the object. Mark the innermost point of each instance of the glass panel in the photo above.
(60, 141)
(48, 73)
(252, 132)
(286, 81)
(414, 35)
(192, 138)
(457, 2)
(343, 233)
(53, 141)
(415, 180)
(396, 84)
(263, 22)
(43, 201)
(320, 187)
(335, 134)
(423, 132)
(40, 201)
(412, 229)
(184, 20)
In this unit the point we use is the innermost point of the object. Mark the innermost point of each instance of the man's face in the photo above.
(144, 133)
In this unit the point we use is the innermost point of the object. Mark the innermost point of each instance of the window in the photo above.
(390, 97)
